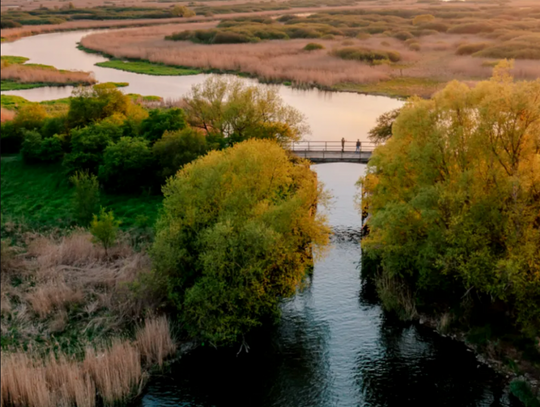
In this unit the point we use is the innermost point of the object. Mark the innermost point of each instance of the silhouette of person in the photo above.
(358, 145)
(342, 144)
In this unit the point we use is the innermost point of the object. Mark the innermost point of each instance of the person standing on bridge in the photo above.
(358, 145)
(342, 144)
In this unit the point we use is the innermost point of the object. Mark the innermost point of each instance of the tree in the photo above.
(236, 235)
(30, 117)
(233, 109)
(178, 148)
(104, 229)
(454, 198)
(95, 104)
(159, 121)
(127, 165)
(383, 130)
(35, 149)
(85, 196)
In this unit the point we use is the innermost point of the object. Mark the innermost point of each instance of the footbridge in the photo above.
(319, 152)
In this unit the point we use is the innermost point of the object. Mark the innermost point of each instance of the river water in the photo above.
(333, 346)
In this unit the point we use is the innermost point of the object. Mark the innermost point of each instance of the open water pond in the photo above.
(334, 346)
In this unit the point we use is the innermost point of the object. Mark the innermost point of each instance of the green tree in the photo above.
(34, 149)
(236, 235)
(127, 165)
(383, 129)
(104, 229)
(97, 103)
(178, 148)
(454, 198)
(85, 196)
(30, 117)
(161, 120)
(235, 110)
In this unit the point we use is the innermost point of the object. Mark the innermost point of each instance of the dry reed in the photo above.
(154, 341)
(33, 74)
(6, 115)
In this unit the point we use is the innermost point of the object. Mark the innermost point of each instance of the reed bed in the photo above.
(36, 74)
(68, 283)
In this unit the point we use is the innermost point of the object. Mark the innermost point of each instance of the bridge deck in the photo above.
(333, 151)
(334, 156)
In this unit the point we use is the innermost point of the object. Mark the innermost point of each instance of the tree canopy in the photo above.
(454, 197)
(236, 235)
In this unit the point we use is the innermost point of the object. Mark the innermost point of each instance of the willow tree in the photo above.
(454, 198)
(236, 235)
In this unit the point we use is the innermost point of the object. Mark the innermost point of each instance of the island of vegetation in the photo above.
(16, 74)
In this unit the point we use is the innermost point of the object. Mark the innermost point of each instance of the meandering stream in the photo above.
(334, 346)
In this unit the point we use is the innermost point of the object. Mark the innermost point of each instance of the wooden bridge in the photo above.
(319, 152)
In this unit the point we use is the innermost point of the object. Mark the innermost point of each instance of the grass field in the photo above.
(148, 68)
(40, 196)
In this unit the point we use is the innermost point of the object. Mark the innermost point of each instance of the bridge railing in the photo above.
(331, 146)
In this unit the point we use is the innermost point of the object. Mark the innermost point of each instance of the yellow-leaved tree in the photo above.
(454, 201)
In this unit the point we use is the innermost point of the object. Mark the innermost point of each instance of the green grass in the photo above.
(119, 84)
(136, 96)
(13, 102)
(148, 68)
(13, 60)
(12, 85)
(40, 196)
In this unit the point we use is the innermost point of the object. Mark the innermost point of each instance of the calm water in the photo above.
(330, 115)
(334, 346)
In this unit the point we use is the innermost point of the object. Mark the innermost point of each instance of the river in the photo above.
(334, 345)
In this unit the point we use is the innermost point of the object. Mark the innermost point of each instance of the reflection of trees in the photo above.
(284, 366)
(418, 369)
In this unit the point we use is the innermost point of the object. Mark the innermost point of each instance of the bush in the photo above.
(436, 26)
(34, 149)
(423, 19)
(159, 121)
(403, 35)
(366, 55)
(235, 237)
(414, 46)
(104, 229)
(312, 46)
(10, 138)
(175, 149)
(30, 117)
(102, 101)
(471, 28)
(469, 49)
(54, 125)
(127, 165)
(85, 196)
(225, 37)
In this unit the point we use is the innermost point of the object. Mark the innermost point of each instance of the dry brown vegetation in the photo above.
(6, 115)
(34, 74)
(67, 284)
(453, 41)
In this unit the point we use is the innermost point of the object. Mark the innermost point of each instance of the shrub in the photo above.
(159, 121)
(471, 28)
(414, 46)
(10, 138)
(103, 100)
(51, 149)
(235, 237)
(30, 117)
(127, 165)
(436, 26)
(104, 229)
(54, 125)
(85, 196)
(31, 146)
(423, 19)
(175, 149)
(469, 49)
(403, 35)
(312, 46)
(225, 37)
(363, 36)
(366, 55)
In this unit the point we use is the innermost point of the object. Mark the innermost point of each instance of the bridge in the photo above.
(319, 152)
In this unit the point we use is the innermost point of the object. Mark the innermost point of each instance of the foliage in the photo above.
(85, 196)
(239, 111)
(36, 149)
(383, 129)
(175, 149)
(30, 117)
(235, 236)
(88, 105)
(11, 138)
(524, 393)
(104, 229)
(454, 200)
(182, 11)
(128, 165)
(366, 55)
(88, 144)
(313, 46)
(159, 121)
